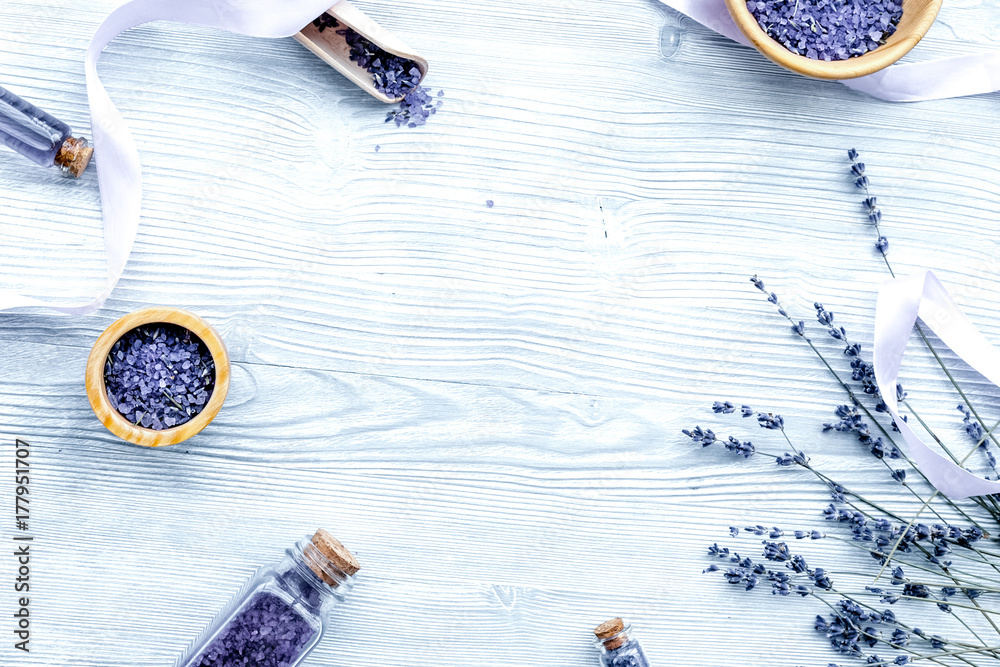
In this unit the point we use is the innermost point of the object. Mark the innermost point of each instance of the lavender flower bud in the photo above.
(723, 407)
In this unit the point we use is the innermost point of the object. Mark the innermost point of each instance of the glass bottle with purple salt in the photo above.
(279, 616)
(619, 648)
(40, 137)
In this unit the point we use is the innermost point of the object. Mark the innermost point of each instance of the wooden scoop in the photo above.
(333, 48)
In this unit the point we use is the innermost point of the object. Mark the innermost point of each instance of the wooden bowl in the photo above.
(97, 391)
(918, 15)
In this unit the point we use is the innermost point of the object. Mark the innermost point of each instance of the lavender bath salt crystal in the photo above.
(267, 632)
(392, 75)
(396, 77)
(828, 29)
(159, 376)
(282, 612)
(618, 646)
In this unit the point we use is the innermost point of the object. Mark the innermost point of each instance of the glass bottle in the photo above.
(41, 138)
(618, 646)
(280, 614)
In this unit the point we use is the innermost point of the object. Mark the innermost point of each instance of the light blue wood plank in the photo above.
(485, 403)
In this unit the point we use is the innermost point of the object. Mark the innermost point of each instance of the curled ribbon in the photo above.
(900, 302)
(937, 79)
(118, 168)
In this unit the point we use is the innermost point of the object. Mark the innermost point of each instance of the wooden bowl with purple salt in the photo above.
(158, 376)
(834, 39)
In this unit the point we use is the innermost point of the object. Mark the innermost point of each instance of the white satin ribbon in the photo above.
(118, 168)
(900, 303)
(937, 79)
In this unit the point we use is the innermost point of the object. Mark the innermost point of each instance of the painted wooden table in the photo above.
(484, 403)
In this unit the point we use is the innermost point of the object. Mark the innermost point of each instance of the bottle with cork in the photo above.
(618, 646)
(281, 613)
(40, 137)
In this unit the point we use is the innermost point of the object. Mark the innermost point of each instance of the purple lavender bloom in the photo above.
(159, 376)
(770, 421)
(704, 437)
(723, 407)
(735, 446)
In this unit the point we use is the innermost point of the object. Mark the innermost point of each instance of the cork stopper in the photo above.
(333, 553)
(74, 156)
(611, 633)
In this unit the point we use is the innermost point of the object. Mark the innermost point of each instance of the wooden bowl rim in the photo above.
(97, 391)
(895, 48)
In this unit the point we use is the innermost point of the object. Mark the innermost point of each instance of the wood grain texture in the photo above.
(485, 404)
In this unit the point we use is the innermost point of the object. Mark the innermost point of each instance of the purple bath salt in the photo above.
(267, 632)
(282, 612)
(828, 29)
(618, 647)
(396, 77)
(629, 654)
(159, 376)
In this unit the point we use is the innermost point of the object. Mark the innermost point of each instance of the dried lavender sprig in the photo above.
(840, 492)
(969, 585)
(975, 429)
(849, 612)
(886, 559)
(777, 423)
(862, 182)
(780, 426)
(876, 638)
(935, 640)
(799, 329)
(989, 503)
(871, 204)
(850, 421)
(775, 533)
(749, 573)
(966, 651)
(864, 373)
(934, 495)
